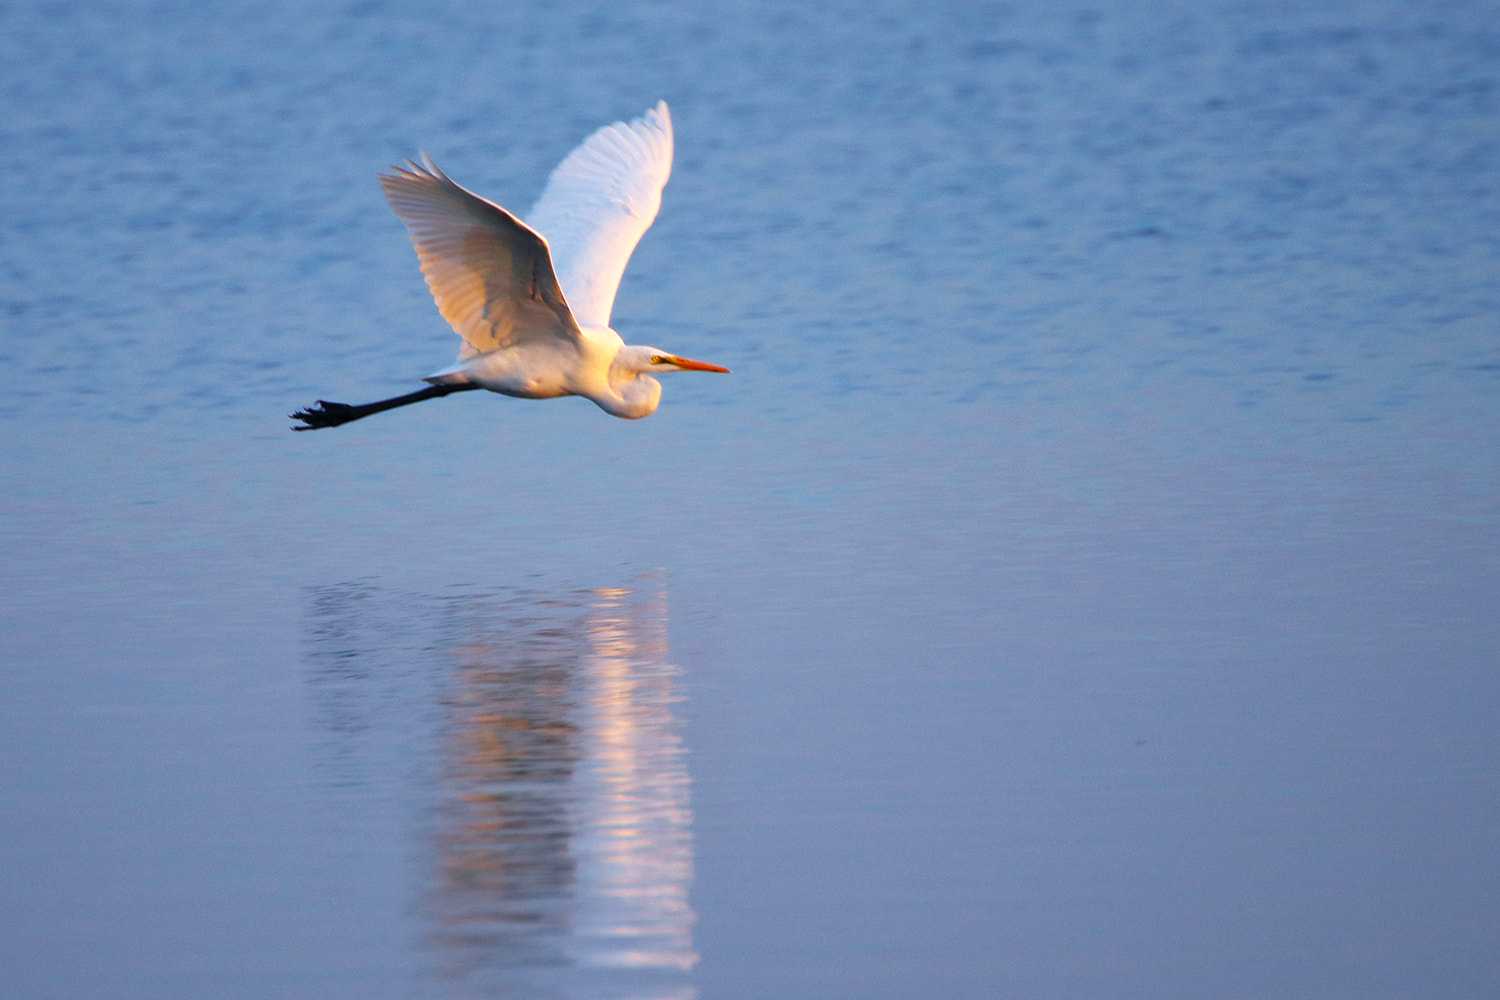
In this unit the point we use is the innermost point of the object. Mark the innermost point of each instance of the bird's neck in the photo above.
(631, 395)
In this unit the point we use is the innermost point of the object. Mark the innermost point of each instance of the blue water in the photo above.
(1084, 586)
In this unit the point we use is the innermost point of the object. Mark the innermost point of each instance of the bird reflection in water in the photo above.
(558, 849)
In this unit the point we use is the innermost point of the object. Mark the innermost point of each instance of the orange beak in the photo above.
(697, 366)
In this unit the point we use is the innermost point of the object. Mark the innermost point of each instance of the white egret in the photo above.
(531, 300)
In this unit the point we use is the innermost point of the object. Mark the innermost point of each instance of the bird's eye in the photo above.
(657, 359)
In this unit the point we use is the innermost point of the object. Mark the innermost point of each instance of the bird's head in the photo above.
(634, 392)
(654, 361)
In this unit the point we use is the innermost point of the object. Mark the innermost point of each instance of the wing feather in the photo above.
(598, 203)
(490, 273)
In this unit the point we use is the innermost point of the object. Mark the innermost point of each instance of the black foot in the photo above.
(326, 414)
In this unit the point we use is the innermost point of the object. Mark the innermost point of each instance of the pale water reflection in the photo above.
(553, 852)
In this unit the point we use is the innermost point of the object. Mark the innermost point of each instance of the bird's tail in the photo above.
(452, 375)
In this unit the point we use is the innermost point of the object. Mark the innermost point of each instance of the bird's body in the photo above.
(586, 368)
(532, 301)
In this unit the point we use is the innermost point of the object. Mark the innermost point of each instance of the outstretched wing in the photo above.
(490, 273)
(598, 202)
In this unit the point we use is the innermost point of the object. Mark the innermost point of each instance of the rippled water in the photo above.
(1084, 585)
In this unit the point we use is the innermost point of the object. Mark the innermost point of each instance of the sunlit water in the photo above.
(546, 775)
(1084, 585)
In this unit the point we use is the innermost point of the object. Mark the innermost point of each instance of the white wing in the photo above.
(598, 202)
(490, 273)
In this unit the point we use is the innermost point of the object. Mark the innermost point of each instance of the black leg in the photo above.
(326, 414)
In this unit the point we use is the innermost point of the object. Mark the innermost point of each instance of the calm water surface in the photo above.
(1084, 586)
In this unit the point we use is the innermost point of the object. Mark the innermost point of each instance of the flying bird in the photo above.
(532, 299)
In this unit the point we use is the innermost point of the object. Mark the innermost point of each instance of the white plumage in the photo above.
(532, 301)
(598, 203)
